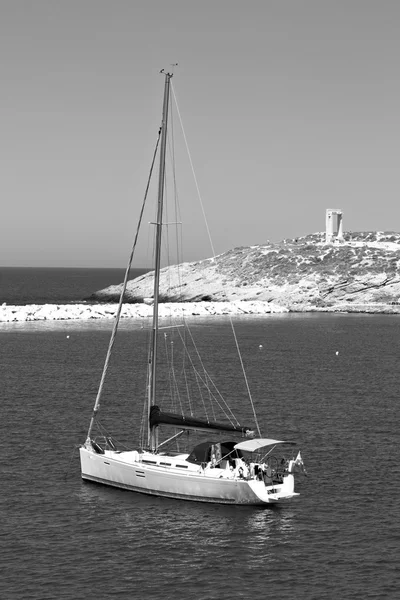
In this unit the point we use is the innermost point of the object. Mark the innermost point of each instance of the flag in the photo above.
(299, 463)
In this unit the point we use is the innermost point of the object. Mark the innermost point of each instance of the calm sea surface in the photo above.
(24, 285)
(66, 539)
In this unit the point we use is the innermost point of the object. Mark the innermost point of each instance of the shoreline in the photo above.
(79, 312)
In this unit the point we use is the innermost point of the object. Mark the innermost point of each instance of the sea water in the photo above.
(328, 382)
(34, 285)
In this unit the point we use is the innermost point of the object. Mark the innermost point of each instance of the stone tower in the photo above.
(334, 225)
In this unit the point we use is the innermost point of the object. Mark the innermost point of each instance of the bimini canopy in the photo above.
(256, 444)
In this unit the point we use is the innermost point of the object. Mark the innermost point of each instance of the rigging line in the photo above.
(178, 247)
(175, 382)
(121, 298)
(241, 364)
(175, 271)
(214, 398)
(188, 392)
(208, 231)
(174, 390)
(178, 231)
(205, 372)
(208, 378)
(212, 246)
(227, 410)
(179, 237)
(200, 391)
(105, 434)
(193, 171)
(211, 396)
(245, 377)
(191, 362)
(171, 157)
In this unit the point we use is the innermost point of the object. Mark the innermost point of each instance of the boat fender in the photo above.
(96, 447)
(111, 444)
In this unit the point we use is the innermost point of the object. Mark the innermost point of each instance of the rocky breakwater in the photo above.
(69, 312)
(360, 274)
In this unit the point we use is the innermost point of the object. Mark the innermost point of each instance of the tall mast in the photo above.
(157, 266)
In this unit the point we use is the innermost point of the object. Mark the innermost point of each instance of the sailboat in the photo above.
(230, 466)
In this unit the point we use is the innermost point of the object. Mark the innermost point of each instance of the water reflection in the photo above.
(271, 521)
(205, 531)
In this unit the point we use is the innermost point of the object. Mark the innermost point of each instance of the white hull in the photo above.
(173, 477)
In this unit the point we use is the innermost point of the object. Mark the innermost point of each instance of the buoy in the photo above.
(337, 352)
(260, 346)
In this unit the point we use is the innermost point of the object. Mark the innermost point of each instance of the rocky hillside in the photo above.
(299, 274)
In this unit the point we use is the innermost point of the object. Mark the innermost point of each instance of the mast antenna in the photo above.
(172, 70)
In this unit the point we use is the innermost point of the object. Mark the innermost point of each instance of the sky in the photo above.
(290, 107)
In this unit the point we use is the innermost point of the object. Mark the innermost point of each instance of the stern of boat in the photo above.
(276, 492)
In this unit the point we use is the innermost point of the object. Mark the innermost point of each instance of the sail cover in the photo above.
(157, 418)
(256, 444)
